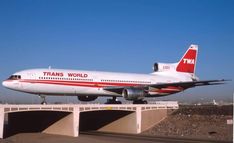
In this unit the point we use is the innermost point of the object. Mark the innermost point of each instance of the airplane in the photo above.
(166, 79)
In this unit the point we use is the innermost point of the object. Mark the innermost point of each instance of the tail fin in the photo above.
(188, 62)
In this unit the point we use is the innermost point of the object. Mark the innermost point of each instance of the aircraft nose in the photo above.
(11, 84)
(5, 83)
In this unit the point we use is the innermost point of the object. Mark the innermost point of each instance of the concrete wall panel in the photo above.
(62, 127)
(126, 124)
(151, 118)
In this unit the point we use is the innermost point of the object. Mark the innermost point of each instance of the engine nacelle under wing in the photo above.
(133, 94)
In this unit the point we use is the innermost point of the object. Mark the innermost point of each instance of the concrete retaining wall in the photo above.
(65, 119)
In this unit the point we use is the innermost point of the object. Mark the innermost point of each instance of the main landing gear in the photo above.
(113, 101)
(43, 102)
(140, 102)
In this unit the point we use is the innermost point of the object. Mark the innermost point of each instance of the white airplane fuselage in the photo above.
(79, 82)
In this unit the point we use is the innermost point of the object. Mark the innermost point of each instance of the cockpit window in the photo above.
(14, 77)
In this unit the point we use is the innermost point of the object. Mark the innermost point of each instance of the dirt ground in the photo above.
(207, 122)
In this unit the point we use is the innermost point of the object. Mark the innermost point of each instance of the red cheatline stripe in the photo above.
(170, 89)
(175, 87)
(62, 81)
(78, 83)
(166, 91)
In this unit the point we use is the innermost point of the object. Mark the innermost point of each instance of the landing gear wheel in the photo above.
(145, 102)
(113, 101)
(140, 102)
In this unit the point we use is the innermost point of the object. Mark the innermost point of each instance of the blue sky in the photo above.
(117, 35)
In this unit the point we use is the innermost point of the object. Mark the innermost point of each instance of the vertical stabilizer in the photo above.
(187, 63)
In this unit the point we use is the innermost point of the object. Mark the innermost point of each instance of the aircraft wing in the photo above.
(189, 84)
(184, 85)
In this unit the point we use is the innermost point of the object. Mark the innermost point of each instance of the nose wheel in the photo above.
(43, 98)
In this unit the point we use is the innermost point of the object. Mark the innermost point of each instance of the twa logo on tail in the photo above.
(188, 61)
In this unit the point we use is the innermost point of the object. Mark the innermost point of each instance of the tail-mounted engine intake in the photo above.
(155, 67)
(159, 67)
(133, 94)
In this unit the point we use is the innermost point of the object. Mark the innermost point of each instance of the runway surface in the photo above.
(97, 137)
(145, 138)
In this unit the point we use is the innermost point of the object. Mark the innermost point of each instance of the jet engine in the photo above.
(160, 67)
(87, 98)
(133, 94)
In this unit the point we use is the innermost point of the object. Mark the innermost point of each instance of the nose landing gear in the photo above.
(43, 102)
